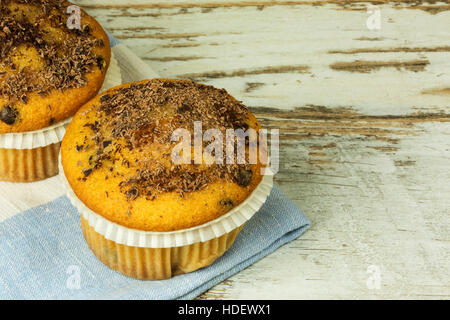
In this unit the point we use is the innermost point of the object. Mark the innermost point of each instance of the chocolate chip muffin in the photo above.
(48, 70)
(118, 158)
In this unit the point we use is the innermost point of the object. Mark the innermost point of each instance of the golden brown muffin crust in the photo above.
(116, 155)
(47, 71)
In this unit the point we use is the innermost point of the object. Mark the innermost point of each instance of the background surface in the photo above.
(364, 118)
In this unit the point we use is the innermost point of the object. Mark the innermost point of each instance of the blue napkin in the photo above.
(112, 41)
(43, 255)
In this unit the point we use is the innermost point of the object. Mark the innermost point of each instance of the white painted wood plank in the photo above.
(229, 40)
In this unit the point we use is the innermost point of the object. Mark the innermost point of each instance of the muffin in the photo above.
(145, 213)
(47, 72)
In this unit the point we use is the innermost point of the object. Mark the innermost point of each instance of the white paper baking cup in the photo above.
(55, 133)
(150, 239)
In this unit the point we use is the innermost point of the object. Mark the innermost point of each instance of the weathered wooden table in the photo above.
(364, 117)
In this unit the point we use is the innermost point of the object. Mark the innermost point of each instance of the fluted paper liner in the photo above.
(55, 133)
(29, 165)
(156, 263)
(148, 255)
(149, 239)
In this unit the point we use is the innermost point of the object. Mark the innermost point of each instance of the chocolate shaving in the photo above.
(8, 115)
(66, 61)
(133, 193)
(87, 172)
(243, 177)
(105, 98)
(148, 113)
(106, 143)
(226, 203)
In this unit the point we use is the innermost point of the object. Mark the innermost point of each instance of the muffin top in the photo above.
(47, 71)
(117, 155)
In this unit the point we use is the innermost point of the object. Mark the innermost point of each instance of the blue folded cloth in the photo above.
(43, 255)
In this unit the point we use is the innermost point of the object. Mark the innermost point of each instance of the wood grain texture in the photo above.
(364, 118)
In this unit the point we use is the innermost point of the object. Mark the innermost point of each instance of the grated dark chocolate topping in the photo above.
(66, 60)
(146, 114)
